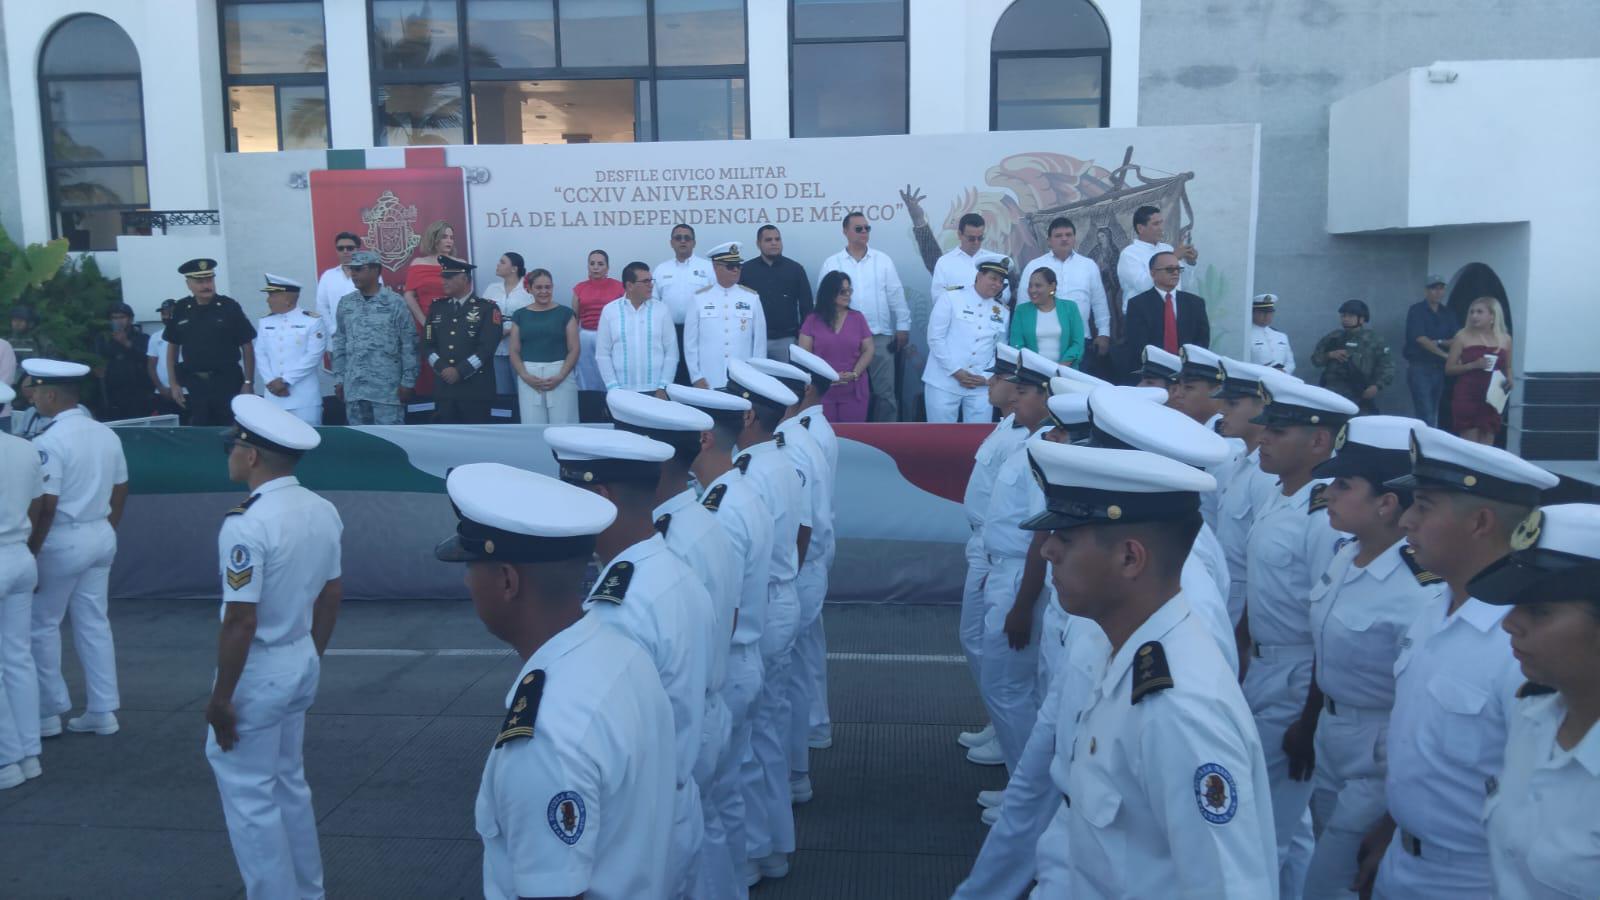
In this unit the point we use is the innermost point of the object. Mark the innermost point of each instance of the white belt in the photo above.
(1349, 713)
(1282, 652)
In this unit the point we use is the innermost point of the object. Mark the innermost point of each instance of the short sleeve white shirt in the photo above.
(279, 553)
(1358, 616)
(82, 461)
(744, 517)
(21, 482)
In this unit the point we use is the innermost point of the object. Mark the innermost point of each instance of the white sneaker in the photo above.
(774, 866)
(991, 816)
(800, 790)
(987, 755)
(820, 738)
(99, 723)
(11, 776)
(31, 768)
(991, 799)
(971, 739)
(752, 873)
(49, 726)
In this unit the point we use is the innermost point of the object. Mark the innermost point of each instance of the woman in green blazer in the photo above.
(1063, 342)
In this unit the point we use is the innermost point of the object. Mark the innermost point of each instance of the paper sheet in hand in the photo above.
(1499, 392)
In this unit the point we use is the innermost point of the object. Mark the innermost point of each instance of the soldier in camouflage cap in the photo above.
(1354, 360)
(374, 348)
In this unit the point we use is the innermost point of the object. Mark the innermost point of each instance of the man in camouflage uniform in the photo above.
(459, 338)
(1354, 360)
(374, 349)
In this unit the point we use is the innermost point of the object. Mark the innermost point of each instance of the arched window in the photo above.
(93, 116)
(1049, 65)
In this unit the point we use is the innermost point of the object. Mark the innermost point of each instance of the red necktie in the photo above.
(1169, 326)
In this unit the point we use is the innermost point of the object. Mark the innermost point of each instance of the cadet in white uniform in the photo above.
(812, 642)
(1360, 609)
(670, 614)
(725, 321)
(1158, 368)
(692, 534)
(289, 347)
(577, 793)
(965, 326)
(21, 485)
(74, 540)
(1268, 346)
(1242, 486)
(1165, 786)
(1455, 679)
(1290, 546)
(1544, 837)
(1069, 409)
(279, 559)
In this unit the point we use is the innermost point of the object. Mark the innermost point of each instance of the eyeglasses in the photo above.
(683, 237)
(861, 229)
(730, 265)
(344, 248)
(644, 281)
(1168, 269)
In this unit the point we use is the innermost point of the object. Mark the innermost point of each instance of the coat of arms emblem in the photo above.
(389, 230)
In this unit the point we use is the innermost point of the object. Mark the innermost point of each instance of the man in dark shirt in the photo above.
(124, 382)
(459, 338)
(785, 291)
(1429, 327)
(212, 333)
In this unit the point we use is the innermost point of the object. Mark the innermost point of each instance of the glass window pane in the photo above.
(511, 34)
(604, 33)
(828, 95)
(702, 109)
(93, 229)
(553, 112)
(303, 117)
(849, 18)
(415, 34)
(95, 120)
(1044, 92)
(89, 45)
(100, 186)
(252, 119)
(416, 114)
(1050, 25)
(274, 38)
(699, 32)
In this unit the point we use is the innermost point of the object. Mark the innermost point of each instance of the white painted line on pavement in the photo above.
(921, 658)
(405, 652)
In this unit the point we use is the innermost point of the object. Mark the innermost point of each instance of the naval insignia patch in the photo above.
(742, 463)
(714, 497)
(1319, 499)
(1150, 671)
(524, 708)
(1215, 794)
(240, 571)
(613, 584)
(779, 438)
(1423, 576)
(805, 421)
(567, 816)
(663, 522)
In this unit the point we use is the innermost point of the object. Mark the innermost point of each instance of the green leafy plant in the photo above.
(27, 267)
(71, 297)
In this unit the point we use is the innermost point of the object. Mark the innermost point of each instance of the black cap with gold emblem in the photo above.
(590, 456)
(1098, 486)
(1555, 556)
(199, 268)
(512, 515)
(1291, 401)
(1442, 461)
(1377, 448)
(1240, 380)
(1199, 364)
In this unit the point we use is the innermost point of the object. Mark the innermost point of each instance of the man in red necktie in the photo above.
(1165, 316)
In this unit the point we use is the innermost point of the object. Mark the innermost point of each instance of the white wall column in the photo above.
(350, 102)
(768, 87)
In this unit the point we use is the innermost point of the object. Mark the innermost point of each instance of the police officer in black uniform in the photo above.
(459, 338)
(212, 333)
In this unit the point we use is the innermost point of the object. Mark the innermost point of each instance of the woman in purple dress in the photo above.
(840, 335)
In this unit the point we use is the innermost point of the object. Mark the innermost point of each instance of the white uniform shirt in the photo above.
(1133, 269)
(21, 482)
(82, 461)
(1207, 550)
(877, 292)
(956, 270)
(1208, 604)
(986, 465)
(737, 506)
(1358, 617)
(508, 303)
(693, 536)
(777, 481)
(278, 554)
(332, 287)
(677, 282)
(822, 432)
(963, 330)
(1544, 834)
(1016, 497)
(817, 480)
(1287, 544)
(668, 612)
(722, 324)
(290, 346)
(1270, 347)
(1077, 280)
(1168, 796)
(158, 351)
(585, 805)
(636, 348)
(1455, 684)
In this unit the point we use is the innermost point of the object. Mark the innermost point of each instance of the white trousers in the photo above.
(1276, 691)
(74, 576)
(1402, 876)
(714, 872)
(1052, 862)
(557, 407)
(739, 691)
(1010, 678)
(769, 810)
(587, 372)
(311, 415)
(944, 406)
(808, 667)
(1347, 796)
(262, 780)
(688, 837)
(19, 682)
(972, 609)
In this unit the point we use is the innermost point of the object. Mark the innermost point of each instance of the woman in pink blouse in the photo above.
(588, 298)
(840, 335)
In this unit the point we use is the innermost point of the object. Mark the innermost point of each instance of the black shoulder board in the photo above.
(714, 497)
(1534, 689)
(614, 583)
(805, 421)
(1150, 672)
(239, 510)
(524, 708)
(742, 463)
(1423, 576)
(778, 436)
(1319, 499)
(663, 523)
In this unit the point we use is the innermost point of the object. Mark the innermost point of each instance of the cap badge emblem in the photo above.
(1527, 531)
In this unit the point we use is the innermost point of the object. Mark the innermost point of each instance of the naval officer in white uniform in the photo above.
(289, 347)
(724, 322)
(21, 484)
(963, 330)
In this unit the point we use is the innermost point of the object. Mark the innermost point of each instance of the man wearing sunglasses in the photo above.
(880, 297)
(1164, 316)
(336, 281)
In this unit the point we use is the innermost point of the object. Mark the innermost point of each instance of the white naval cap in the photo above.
(726, 253)
(1158, 364)
(654, 417)
(588, 455)
(1291, 401)
(1120, 420)
(1033, 368)
(1094, 485)
(278, 284)
(744, 380)
(1005, 359)
(512, 515)
(990, 261)
(1555, 557)
(7, 393)
(53, 371)
(1241, 379)
(1068, 380)
(1376, 448)
(1199, 364)
(1442, 461)
(812, 363)
(1069, 408)
(714, 403)
(263, 424)
(792, 377)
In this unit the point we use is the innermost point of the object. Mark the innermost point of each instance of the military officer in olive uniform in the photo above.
(459, 338)
(208, 336)
(1354, 360)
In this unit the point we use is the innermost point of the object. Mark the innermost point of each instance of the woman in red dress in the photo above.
(588, 298)
(425, 284)
(1476, 352)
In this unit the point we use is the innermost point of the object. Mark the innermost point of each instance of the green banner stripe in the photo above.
(347, 159)
(191, 461)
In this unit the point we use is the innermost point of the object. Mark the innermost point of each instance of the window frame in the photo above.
(47, 126)
(465, 75)
(903, 38)
(995, 56)
(276, 81)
